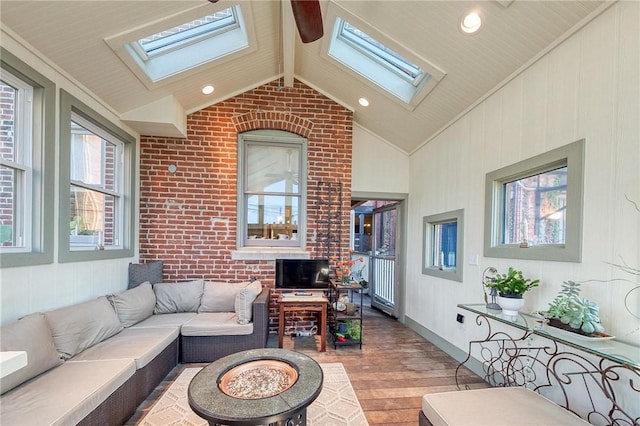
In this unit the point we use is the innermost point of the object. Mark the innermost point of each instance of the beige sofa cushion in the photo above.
(166, 320)
(514, 406)
(215, 324)
(78, 327)
(244, 302)
(64, 395)
(140, 344)
(33, 335)
(219, 296)
(134, 305)
(178, 297)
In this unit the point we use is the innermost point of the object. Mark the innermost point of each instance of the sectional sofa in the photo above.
(95, 362)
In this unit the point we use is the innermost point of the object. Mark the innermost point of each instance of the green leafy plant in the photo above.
(354, 330)
(512, 284)
(578, 313)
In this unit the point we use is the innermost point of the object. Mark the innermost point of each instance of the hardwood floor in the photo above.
(391, 372)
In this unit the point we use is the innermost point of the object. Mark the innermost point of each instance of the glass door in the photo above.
(384, 274)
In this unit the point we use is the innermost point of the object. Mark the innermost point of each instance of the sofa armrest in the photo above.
(261, 316)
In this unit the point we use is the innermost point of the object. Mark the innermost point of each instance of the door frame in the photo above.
(401, 249)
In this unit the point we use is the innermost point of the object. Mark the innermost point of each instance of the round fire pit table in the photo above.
(256, 387)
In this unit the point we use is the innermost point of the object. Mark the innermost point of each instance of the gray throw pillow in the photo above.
(134, 305)
(33, 335)
(244, 302)
(178, 297)
(142, 272)
(78, 327)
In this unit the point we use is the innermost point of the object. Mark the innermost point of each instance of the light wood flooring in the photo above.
(394, 368)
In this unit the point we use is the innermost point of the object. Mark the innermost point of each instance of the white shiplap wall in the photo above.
(41, 288)
(587, 87)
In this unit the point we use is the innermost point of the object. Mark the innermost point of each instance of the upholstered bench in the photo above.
(512, 406)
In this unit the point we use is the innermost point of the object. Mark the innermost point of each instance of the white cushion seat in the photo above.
(514, 406)
(215, 324)
(140, 344)
(50, 399)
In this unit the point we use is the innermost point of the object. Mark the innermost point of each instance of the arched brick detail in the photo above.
(273, 120)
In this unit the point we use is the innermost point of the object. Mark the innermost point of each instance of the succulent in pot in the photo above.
(574, 312)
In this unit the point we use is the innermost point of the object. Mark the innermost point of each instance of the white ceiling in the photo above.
(71, 35)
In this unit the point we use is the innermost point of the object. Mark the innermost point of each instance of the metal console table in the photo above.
(597, 379)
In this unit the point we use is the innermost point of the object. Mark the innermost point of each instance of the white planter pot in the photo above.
(510, 305)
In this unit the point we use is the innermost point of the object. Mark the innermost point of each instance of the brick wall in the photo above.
(188, 218)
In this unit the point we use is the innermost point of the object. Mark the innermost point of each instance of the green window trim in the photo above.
(571, 155)
(429, 267)
(42, 239)
(68, 105)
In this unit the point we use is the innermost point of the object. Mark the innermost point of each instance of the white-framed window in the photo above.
(271, 189)
(27, 107)
(533, 209)
(443, 243)
(96, 185)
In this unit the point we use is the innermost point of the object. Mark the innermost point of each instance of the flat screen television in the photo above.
(302, 273)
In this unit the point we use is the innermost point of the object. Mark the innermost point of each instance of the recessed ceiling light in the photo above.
(471, 22)
(207, 90)
(364, 102)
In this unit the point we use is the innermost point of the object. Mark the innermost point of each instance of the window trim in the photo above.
(68, 105)
(571, 251)
(43, 163)
(271, 137)
(428, 268)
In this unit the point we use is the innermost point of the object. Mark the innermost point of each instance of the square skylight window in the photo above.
(161, 51)
(369, 56)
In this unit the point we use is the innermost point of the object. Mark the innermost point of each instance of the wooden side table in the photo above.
(304, 304)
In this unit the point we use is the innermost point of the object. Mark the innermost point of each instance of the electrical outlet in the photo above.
(460, 318)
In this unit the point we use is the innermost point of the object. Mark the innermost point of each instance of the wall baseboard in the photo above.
(444, 345)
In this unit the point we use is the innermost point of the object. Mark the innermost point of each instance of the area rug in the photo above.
(336, 405)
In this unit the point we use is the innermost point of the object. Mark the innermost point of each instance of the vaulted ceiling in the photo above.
(71, 36)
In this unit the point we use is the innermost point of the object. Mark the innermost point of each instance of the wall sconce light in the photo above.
(172, 168)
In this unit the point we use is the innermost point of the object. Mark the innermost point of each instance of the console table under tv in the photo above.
(595, 378)
(303, 302)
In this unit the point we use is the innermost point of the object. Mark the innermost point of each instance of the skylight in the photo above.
(159, 53)
(369, 57)
(189, 32)
(381, 53)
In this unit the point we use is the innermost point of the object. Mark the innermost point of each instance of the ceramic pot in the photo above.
(510, 305)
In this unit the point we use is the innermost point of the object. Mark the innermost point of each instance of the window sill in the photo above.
(270, 253)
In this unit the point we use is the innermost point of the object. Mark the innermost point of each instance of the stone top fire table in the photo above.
(256, 387)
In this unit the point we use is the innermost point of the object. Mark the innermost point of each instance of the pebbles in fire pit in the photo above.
(259, 382)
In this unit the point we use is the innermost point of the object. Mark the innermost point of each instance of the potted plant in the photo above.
(569, 311)
(511, 287)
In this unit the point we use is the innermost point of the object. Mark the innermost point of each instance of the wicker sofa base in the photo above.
(150, 376)
(122, 404)
(116, 409)
(211, 348)
(422, 419)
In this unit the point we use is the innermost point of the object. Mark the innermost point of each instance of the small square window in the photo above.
(533, 209)
(442, 245)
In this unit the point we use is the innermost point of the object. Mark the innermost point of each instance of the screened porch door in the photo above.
(384, 274)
